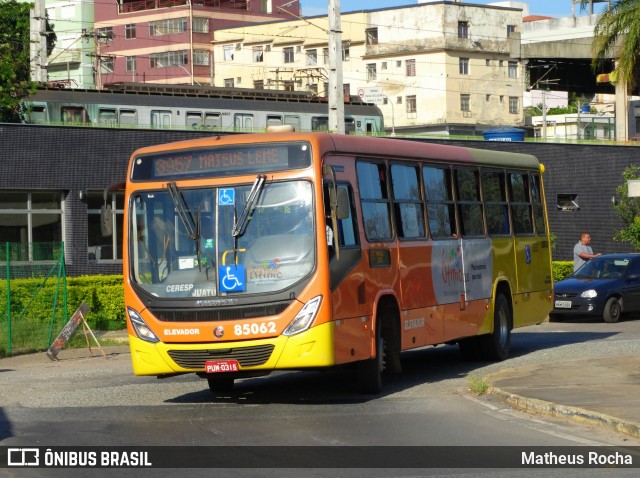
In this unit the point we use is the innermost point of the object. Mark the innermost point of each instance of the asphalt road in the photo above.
(97, 401)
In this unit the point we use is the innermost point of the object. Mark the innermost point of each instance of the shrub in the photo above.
(561, 269)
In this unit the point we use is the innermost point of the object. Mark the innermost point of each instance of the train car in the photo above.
(134, 105)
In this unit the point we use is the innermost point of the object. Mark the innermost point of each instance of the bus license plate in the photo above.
(221, 366)
(563, 304)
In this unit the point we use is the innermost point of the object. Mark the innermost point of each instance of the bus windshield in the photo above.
(186, 242)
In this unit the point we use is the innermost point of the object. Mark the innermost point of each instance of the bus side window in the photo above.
(469, 205)
(536, 199)
(440, 205)
(407, 202)
(374, 200)
(495, 202)
(519, 195)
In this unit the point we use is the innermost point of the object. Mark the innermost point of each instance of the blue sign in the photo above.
(226, 197)
(527, 254)
(232, 278)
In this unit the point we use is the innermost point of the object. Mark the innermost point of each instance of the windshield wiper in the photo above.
(241, 222)
(192, 226)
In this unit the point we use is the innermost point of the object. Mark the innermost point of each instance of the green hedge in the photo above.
(561, 269)
(103, 294)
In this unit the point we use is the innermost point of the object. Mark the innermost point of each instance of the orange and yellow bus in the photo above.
(247, 254)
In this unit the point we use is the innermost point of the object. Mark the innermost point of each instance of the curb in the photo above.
(563, 411)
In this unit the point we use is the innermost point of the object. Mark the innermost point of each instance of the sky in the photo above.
(551, 8)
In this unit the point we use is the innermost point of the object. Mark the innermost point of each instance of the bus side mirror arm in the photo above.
(333, 204)
(106, 214)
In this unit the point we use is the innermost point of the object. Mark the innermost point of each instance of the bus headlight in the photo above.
(142, 330)
(589, 294)
(303, 320)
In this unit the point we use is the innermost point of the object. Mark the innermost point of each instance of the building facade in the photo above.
(168, 41)
(441, 67)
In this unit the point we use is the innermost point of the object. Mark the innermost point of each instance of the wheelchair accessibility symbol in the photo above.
(227, 197)
(527, 254)
(232, 278)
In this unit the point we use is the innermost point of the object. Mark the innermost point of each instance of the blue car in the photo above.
(607, 286)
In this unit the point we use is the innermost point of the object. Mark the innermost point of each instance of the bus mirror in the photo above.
(106, 220)
(343, 204)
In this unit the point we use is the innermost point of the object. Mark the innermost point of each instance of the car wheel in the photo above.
(612, 310)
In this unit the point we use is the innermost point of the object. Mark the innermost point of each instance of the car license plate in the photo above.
(563, 304)
(221, 366)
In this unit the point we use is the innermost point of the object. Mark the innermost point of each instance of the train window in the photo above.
(193, 119)
(213, 120)
(320, 123)
(74, 114)
(160, 118)
(274, 120)
(107, 116)
(292, 120)
(243, 121)
(128, 117)
(38, 114)
(349, 125)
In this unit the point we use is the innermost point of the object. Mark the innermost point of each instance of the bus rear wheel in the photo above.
(497, 345)
(220, 384)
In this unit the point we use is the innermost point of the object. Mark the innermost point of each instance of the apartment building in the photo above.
(441, 67)
(162, 41)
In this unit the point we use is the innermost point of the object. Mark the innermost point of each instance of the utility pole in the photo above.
(336, 87)
(38, 39)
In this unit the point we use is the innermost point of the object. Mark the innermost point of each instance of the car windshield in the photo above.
(216, 241)
(602, 268)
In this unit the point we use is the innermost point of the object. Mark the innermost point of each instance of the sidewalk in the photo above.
(605, 392)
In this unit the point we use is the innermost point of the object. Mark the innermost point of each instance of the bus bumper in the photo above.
(310, 349)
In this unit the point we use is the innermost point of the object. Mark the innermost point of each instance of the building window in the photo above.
(131, 63)
(33, 222)
(102, 248)
(514, 104)
(345, 51)
(258, 84)
(168, 58)
(312, 57)
(288, 54)
(228, 83)
(201, 57)
(258, 54)
(107, 64)
(463, 29)
(411, 67)
(371, 71)
(130, 31)
(371, 36)
(411, 104)
(168, 26)
(383, 66)
(513, 69)
(511, 29)
(200, 25)
(228, 52)
(464, 66)
(487, 62)
(465, 102)
(104, 33)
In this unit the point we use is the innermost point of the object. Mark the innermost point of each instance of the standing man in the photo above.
(582, 251)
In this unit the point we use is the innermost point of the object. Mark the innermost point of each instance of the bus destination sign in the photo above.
(222, 161)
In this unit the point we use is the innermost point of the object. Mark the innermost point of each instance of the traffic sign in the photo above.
(373, 95)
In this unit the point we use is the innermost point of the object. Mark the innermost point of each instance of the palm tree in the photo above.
(617, 35)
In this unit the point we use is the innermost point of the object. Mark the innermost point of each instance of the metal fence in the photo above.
(33, 296)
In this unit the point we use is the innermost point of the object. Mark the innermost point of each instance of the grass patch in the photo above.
(478, 385)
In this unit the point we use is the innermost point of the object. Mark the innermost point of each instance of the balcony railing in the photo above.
(141, 5)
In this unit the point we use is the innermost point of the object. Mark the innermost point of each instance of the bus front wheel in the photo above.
(370, 371)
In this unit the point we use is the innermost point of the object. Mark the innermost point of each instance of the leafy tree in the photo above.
(628, 208)
(15, 66)
(617, 35)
